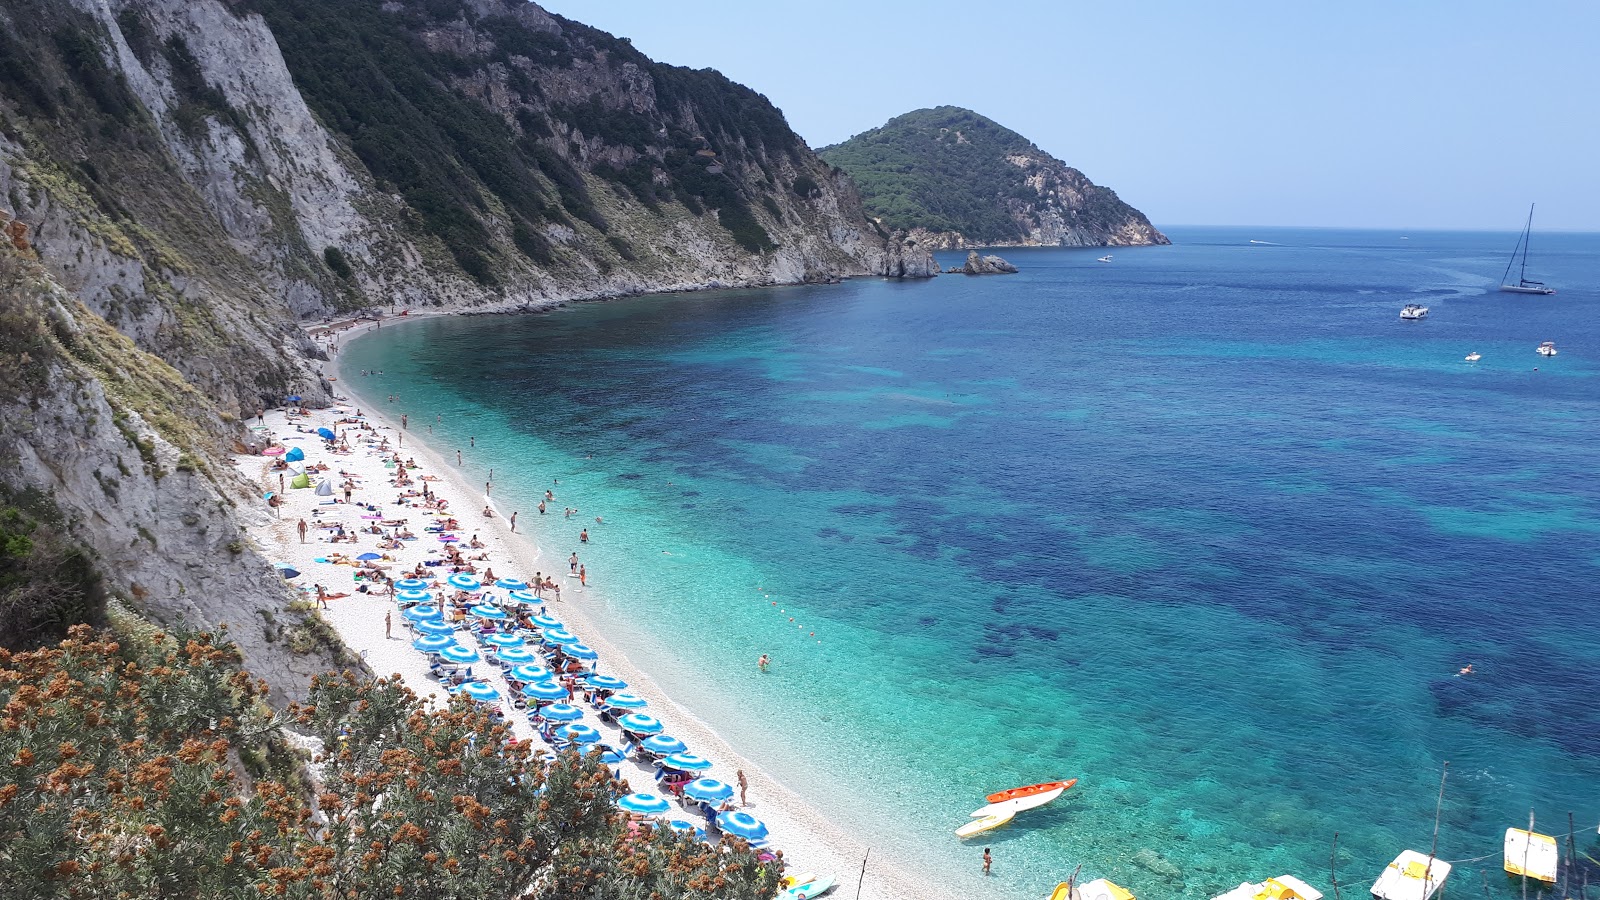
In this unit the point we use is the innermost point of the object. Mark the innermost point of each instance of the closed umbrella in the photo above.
(410, 584)
(463, 581)
(646, 804)
(501, 640)
(531, 673)
(422, 612)
(515, 655)
(661, 743)
(560, 712)
(480, 692)
(640, 723)
(578, 733)
(435, 626)
(708, 790)
(739, 823)
(579, 651)
(433, 643)
(413, 595)
(626, 701)
(511, 584)
(687, 762)
(606, 682)
(492, 613)
(545, 690)
(459, 654)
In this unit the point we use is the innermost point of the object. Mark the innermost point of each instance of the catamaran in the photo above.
(1523, 285)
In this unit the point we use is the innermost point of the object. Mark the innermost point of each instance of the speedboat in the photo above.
(1412, 876)
(1548, 348)
(1413, 311)
(1106, 258)
(1474, 356)
(1284, 887)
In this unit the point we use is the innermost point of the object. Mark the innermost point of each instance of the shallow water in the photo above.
(1208, 528)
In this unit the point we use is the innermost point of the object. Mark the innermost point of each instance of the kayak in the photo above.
(814, 887)
(987, 823)
(1019, 804)
(1014, 793)
(790, 881)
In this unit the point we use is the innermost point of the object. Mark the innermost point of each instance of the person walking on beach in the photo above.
(302, 527)
(987, 860)
(574, 562)
(388, 626)
(743, 786)
(513, 522)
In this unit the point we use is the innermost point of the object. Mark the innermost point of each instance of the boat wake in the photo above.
(1268, 243)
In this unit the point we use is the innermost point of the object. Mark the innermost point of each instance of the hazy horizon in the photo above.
(1367, 115)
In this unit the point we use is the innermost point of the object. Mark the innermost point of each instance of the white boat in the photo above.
(1106, 258)
(1284, 887)
(1412, 876)
(1018, 804)
(1548, 348)
(1532, 855)
(1523, 285)
(1474, 356)
(1414, 311)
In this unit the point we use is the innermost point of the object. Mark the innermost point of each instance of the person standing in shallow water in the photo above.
(764, 662)
(583, 536)
(574, 562)
(987, 860)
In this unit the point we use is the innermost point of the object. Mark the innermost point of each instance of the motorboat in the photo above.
(1106, 258)
(1548, 348)
(1412, 876)
(1414, 311)
(1474, 356)
(1284, 887)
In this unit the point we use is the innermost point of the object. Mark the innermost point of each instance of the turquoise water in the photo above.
(1208, 528)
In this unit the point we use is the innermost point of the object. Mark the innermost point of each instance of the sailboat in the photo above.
(1523, 285)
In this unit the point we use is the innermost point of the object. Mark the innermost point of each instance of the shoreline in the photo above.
(811, 841)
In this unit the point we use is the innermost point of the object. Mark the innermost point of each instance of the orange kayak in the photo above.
(1030, 790)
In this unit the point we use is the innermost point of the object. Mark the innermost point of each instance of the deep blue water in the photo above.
(1208, 527)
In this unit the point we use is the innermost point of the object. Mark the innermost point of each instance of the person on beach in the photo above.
(573, 562)
(302, 527)
(322, 596)
(458, 457)
(764, 662)
(987, 860)
(488, 513)
(403, 423)
(388, 626)
(583, 536)
(744, 785)
(513, 521)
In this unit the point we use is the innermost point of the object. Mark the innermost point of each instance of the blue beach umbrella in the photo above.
(687, 762)
(480, 692)
(292, 398)
(514, 655)
(606, 682)
(531, 673)
(739, 823)
(626, 701)
(610, 755)
(295, 454)
(579, 651)
(463, 581)
(560, 712)
(511, 584)
(502, 640)
(485, 611)
(433, 643)
(458, 654)
(327, 434)
(708, 790)
(686, 827)
(640, 723)
(547, 621)
(436, 626)
(288, 571)
(646, 804)
(523, 597)
(369, 557)
(422, 612)
(661, 743)
(411, 584)
(578, 733)
(413, 595)
(545, 690)
(559, 636)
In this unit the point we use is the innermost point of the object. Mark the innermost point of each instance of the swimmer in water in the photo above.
(1466, 671)
(763, 662)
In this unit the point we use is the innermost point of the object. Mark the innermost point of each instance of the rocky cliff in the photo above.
(954, 179)
(197, 177)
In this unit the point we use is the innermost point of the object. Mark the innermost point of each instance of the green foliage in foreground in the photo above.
(151, 768)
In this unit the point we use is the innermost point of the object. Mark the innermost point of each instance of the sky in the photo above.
(1342, 113)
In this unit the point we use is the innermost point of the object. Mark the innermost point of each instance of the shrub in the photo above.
(337, 264)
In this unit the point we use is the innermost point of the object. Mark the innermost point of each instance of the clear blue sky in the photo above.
(1399, 114)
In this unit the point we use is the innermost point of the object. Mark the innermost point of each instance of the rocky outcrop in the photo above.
(905, 257)
(984, 265)
(956, 180)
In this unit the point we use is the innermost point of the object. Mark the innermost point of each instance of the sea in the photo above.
(1207, 527)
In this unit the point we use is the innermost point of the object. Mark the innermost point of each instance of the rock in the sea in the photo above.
(986, 265)
(905, 258)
